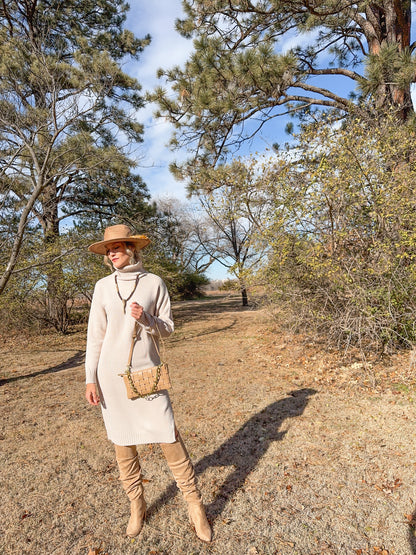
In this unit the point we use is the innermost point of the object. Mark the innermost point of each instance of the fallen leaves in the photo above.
(410, 520)
(335, 443)
(390, 487)
(96, 551)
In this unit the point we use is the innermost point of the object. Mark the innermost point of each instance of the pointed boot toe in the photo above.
(137, 516)
(198, 519)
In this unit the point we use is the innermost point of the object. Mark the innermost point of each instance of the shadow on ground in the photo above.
(214, 329)
(71, 362)
(412, 532)
(243, 451)
(184, 311)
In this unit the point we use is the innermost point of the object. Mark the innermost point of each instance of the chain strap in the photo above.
(155, 384)
(128, 369)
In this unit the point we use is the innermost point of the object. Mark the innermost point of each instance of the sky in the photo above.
(166, 50)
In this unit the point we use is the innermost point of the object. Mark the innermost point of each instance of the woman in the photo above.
(127, 300)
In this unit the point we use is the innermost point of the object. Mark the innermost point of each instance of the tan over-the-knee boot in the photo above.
(183, 471)
(131, 478)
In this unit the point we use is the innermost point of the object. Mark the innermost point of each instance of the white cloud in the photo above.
(154, 166)
(166, 50)
(294, 39)
(167, 47)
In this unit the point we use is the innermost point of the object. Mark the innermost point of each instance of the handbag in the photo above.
(142, 383)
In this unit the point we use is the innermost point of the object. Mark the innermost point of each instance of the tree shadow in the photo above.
(184, 311)
(209, 331)
(72, 362)
(243, 451)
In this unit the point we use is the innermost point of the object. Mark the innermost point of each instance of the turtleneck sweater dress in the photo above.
(110, 330)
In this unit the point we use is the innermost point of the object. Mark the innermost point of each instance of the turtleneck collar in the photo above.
(130, 271)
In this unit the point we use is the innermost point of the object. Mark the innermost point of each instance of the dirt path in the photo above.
(295, 453)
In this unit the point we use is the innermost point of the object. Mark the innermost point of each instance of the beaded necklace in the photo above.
(124, 301)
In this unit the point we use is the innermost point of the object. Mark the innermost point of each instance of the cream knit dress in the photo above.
(110, 330)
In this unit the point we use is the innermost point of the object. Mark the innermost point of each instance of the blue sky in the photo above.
(166, 50)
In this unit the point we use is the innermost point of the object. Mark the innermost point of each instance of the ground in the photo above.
(298, 450)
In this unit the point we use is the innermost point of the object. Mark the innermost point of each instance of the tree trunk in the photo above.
(393, 28)
(18, 239)
(56, 295)
(244, 296)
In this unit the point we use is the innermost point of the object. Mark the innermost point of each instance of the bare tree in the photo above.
(187, 234)
(235, 210)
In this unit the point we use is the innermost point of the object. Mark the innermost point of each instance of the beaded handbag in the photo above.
(142, 383)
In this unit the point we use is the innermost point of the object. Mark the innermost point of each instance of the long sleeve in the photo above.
(161, 322)
(97, 325)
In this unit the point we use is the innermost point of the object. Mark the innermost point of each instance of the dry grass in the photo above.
(296, 451)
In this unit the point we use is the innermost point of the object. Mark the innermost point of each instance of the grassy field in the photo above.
(297, 451)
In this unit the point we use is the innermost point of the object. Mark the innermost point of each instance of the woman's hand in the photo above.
(136, 310)
(91, 394)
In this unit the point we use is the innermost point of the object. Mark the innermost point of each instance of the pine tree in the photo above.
(244, 73)
(64, 100)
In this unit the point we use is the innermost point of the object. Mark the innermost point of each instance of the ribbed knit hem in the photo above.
(143, 438)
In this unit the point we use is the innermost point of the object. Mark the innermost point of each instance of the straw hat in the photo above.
(116, 233)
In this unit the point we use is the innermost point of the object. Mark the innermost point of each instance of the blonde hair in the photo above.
(135, 254)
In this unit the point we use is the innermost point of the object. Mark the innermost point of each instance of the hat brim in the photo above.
(141, 241)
